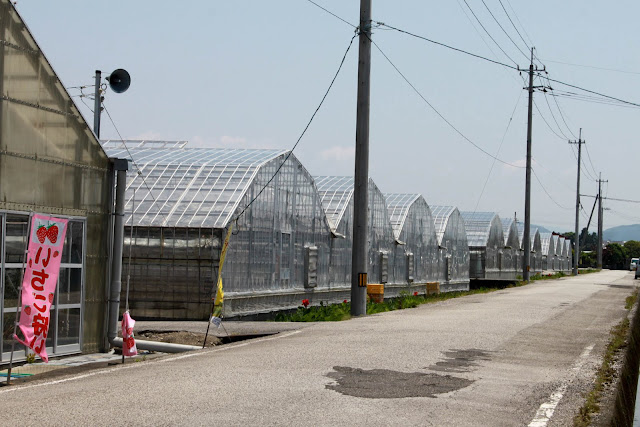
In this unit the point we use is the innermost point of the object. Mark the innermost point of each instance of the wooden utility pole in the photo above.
(576, 254)
(359, 256)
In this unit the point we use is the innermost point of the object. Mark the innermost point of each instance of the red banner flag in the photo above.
(46, 240)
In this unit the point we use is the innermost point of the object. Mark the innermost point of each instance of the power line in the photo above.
(447, 46)
(560, 111)
(498, 152)
(505, 31)
(485, 30)
(140, 174)
(547, 193)
(594, 67)
(547, 123)
(590, 162)
(621, 200)
(518, 19)
(331, 13)
(594, 92)
(514, 25)
(344, 57)
(439, 114)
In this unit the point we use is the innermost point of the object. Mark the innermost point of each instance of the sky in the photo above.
(251, 73)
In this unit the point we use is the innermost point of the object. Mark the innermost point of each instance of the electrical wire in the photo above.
(437, 112)
(505, 31)
(546, 192)
(518, 19)
(621, 200)
(475, 28)
(594, 92)
(344, 57)
(564, 138)
(590, 162)
(591, 66)
(134, 163)
(560, 111)
(484, 58)
(485, 30)
(333, 14)
(514, 25)
(498, 152)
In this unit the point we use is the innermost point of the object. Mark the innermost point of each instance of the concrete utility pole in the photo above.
(576, 255)
(359, 264)
(526, 238)
(600, 211)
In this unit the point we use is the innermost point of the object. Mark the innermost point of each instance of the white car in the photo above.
(634, 264)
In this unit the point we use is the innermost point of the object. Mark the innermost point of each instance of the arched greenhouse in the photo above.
(336, 193)
(416, 245)
(181, 206)
(453, 259)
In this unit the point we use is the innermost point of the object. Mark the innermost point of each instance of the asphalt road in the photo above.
(482, 360)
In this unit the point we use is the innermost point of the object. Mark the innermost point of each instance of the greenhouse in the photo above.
(50, 163)
(486, 247)
(512, 255)
(535, 260)
(547, 244)
(453, 259)
(415, 259)
(336, 193)
(564, 254)
(180, 208)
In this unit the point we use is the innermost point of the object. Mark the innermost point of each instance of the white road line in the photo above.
(163, 360)
(545, 412)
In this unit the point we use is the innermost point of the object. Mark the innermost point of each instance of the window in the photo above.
(65, 329)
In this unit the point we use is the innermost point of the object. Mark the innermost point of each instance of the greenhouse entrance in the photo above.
(65, 329)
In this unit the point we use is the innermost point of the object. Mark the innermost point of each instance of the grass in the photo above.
(336, 312)
(606, 372)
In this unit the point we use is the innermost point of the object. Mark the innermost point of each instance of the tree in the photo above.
(614, 256)
(632, 247)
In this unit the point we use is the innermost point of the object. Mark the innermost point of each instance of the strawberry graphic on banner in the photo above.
(46, 242)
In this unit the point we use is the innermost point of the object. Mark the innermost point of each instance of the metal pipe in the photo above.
(121, 166)
(97, 105)
(163, 347)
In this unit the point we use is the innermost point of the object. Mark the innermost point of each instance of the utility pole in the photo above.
(576, 255)
(526, 238)
(97, 106)
(600, 212)
(359, 255)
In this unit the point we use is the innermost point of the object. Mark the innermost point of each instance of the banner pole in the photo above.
(17, 319)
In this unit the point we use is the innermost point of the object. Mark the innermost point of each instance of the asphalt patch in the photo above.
(460, 360)
(386, 384)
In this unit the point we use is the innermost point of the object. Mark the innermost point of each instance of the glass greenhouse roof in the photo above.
(187, 187)
(478, 225)
(398, 206)
(335, 193)
(441, 216)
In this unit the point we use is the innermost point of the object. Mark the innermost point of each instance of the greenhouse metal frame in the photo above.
(454, 258)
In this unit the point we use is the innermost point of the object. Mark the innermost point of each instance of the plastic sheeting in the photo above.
(336, 194)
(453, 260)
(416, 251)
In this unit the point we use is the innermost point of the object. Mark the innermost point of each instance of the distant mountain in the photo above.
(541, 228)
(622, 233)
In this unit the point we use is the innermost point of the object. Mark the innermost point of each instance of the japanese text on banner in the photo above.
(44, 254)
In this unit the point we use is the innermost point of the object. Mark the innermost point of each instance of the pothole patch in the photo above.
(387, 384)
(460, 360)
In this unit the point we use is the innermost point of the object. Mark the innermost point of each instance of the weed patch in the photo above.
(606, 372)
